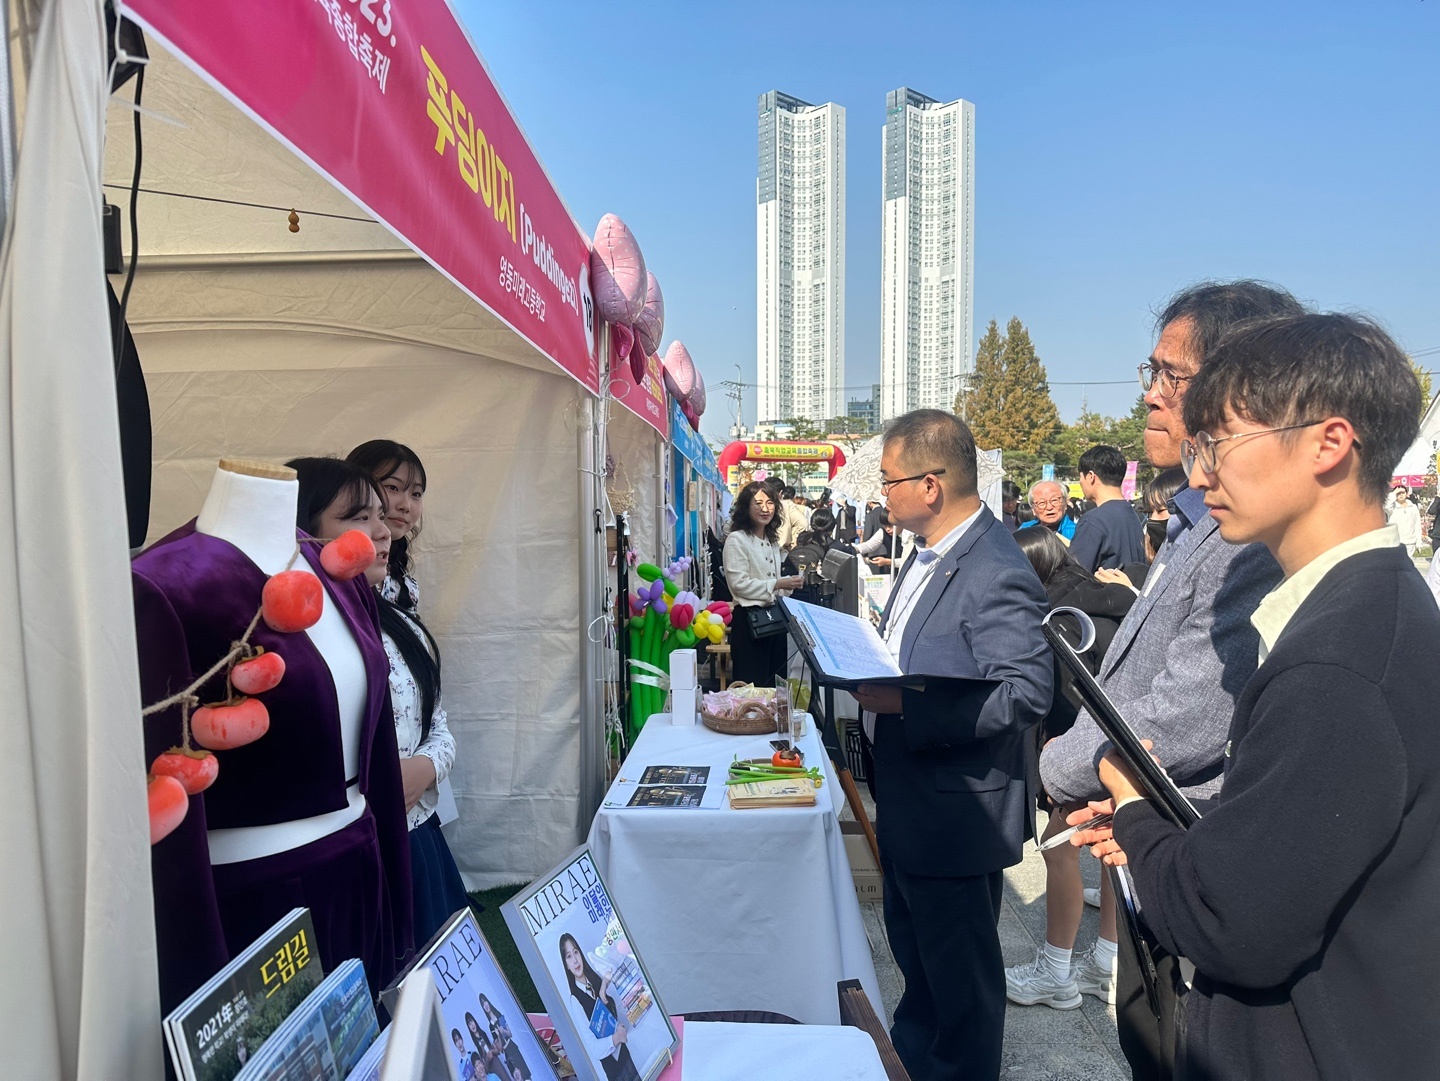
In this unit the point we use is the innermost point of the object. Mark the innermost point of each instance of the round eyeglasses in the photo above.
(1169, 382)
(1202, 448)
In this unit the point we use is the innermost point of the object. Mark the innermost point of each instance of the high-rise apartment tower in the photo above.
(800, 259)
(927, 277)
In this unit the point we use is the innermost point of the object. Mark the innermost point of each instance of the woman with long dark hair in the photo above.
(1057, 977)
(752, 571)
(505, 1040)
(587, 990)
(427, 749)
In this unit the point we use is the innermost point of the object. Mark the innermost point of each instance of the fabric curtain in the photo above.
(78, 997)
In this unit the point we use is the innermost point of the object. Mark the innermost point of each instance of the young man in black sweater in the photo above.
(1306, 895)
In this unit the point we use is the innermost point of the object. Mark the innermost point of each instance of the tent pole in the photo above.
(593, 755)
(7, 119)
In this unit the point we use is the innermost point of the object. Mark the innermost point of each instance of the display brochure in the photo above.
(214, 1032)
(1163, 792)
(550, 1041)
(368, 1068)
(668, 795)
(486, 1025)
(326, 1035)
(799, 792)
(580, 956)
(675, 775)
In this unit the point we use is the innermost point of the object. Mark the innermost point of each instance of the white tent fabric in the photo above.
(1417, 460)
(636, 486)
(78, 997)
(262, 343)
(859, 477)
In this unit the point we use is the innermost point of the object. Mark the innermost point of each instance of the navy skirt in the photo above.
(439, 890)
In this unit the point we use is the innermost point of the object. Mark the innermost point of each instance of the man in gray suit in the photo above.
(1187, 647)
(951, 784)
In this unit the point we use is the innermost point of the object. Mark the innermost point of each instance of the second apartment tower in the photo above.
(927, 276)
(800, 252)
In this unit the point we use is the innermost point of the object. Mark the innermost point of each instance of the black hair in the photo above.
(1163, 487)
(382, 459)
(1049, 556)
(883, 518)
(1305, 368)
(822, 521)
(420, 652)
(740, 513)
(326, 481)
(1214, 307)
(590, 974)
(1107, 463)
(934, 439)
(787, 492)
(1009, 490)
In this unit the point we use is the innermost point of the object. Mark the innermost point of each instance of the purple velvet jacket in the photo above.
(194, 596)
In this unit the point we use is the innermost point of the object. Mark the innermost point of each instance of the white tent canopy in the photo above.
(262, 343)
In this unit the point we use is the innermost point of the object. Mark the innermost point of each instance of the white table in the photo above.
(734, 909)
(717, 1051)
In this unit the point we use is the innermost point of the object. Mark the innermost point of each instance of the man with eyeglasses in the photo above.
(951, 779)
(1049, 499)
(1305, 895)
(1184, 650)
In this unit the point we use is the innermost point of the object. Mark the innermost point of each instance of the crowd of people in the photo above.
(1258, 621)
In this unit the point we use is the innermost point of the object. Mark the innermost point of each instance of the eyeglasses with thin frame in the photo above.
(1202, 448)
(1150, 374)
(1040, 504)
(886, 485)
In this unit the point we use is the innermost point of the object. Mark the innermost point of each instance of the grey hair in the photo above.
(1042, 483)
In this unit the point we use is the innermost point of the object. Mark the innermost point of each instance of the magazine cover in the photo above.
(326, 1036)
(214, 1032)
(368, 1068)
(488, 1028)
(668, 795)
(589, 976)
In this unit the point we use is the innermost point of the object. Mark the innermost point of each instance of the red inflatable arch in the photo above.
(780, 450)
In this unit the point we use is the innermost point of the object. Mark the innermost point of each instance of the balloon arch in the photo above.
(777, 450)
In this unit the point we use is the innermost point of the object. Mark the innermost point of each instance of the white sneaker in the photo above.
(1034, 985)
(1092, 897)
(1091, 979)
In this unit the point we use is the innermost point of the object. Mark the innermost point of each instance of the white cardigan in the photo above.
(752, 567)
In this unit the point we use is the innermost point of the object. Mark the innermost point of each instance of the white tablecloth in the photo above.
(732, 909)
(724, 1052)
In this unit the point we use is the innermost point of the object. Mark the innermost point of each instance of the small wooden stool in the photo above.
(721, 653)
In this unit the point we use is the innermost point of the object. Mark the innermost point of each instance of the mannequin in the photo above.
(310, 814)
(252, 505)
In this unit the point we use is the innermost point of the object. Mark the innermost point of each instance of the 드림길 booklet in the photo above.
(575, 945)
(215, 1032)
(325, 1037)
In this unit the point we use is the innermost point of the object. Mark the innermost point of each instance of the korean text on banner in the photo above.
(645, 399)
(693, 447)
(391, 102)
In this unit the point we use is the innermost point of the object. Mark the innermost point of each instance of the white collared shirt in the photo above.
(914, 582)
(912, 585)
(1282, 602)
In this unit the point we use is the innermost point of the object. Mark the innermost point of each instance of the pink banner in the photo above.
(645, 399)
(390, 101)
(1127, 486)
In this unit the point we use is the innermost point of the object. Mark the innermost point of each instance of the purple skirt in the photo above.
(339, 878)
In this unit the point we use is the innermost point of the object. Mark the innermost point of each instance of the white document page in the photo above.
(844, 646)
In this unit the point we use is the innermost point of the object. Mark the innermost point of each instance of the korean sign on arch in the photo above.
(389, 100)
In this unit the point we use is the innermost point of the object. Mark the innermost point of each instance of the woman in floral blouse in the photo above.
(427, 749)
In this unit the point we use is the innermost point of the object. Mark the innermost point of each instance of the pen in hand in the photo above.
(1098, 822)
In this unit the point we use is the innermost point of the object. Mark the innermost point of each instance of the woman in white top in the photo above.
(427, 749)
(752, 571)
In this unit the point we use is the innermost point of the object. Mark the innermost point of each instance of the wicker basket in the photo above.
(753, 727)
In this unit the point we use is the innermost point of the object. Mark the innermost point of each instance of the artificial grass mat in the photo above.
(492, 924)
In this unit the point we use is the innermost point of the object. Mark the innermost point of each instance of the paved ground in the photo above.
(1041, 1044)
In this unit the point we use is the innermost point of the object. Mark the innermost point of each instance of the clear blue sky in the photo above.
(1123, 150)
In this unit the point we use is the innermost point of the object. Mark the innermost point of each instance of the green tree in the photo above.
(985, 382)
(1010, 406)
(1424, 376)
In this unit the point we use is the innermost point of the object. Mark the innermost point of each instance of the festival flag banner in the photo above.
(391, 102)
(645, 399)
(693, 447)
(1127, 486)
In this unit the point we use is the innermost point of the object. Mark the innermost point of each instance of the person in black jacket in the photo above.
(1057, 977)
(1305, 895)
